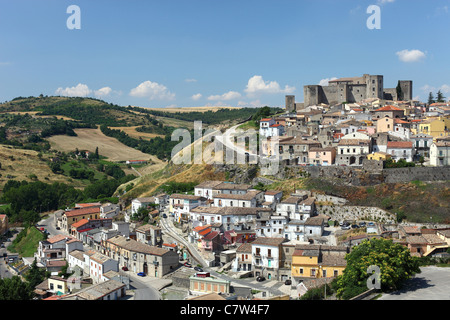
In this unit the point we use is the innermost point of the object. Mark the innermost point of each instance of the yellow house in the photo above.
(70, 217)
(317, 261)
(58, 285)
(379, 156)
(385, 124)
(436, 127)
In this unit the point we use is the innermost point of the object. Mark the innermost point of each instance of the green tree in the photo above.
(35, 275)
(15, 289)
(430, 98)
(440, 97)
(394, 260)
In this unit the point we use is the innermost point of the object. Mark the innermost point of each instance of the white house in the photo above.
(400, 150)
(264, 127)
(180, 205)
(297, 207)
(440, 153)
(205, 189)
(76, 259)
(272, 197)
(109, 210)
(314, 227)
(273, 227)
(276, 130)
(266, 256)
(99, 264)
(138, 203)
(249, 199)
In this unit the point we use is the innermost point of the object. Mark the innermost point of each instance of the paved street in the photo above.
(432, 284)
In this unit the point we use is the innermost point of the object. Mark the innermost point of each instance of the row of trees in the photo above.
(28, 199)
(439, 97)
(208, 117)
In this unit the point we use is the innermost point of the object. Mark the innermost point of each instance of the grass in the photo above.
(27, 245)
(90, 139)
(19, 164)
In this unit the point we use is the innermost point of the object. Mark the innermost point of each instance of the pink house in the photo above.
(322, 156)
(211, 241)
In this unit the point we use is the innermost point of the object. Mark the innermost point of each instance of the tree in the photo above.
(440, 97)
(35, 275)
(430, 98)
(395, 262)
(15, 289)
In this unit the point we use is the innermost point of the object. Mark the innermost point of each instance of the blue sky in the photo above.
(184, 53)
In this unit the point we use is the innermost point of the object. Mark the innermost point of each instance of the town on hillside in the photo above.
(225, 240)
(222, 241)
(356, 119)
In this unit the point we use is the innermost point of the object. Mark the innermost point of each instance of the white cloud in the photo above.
(83, 90)
(385, 1)
(190, 80)
(251, 104)
(103, 92)
(153, 91)
(80, 90)
(445, 88)
(226, 96)
(324, 82)
(257, 85)
(196, 97)
(410, 55)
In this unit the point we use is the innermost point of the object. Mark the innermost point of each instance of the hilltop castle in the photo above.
(352, 90)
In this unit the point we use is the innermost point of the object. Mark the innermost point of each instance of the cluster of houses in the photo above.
(346, 134)
(235, 226)
(101, 249)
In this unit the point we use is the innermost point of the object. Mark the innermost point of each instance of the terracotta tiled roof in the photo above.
(80, 223)
(59, 237)
(80, 212)
(388, 108)
(399, 144)
(268, 241)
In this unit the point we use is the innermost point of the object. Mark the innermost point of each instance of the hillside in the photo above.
(17, 164)
(404, 199)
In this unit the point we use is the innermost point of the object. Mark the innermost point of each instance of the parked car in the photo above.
(362, 224)
(141, 274)
(288, 282)
(371, 224)
(2, 245)
(164, 215)
(187, 264)
(355, 226)
(58, 228)
(345, 227)
(260, 278)
(198, 269)
(124, 268)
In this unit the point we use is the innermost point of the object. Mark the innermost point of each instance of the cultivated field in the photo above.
(131, 131)
(90, 139)
(192, 109)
